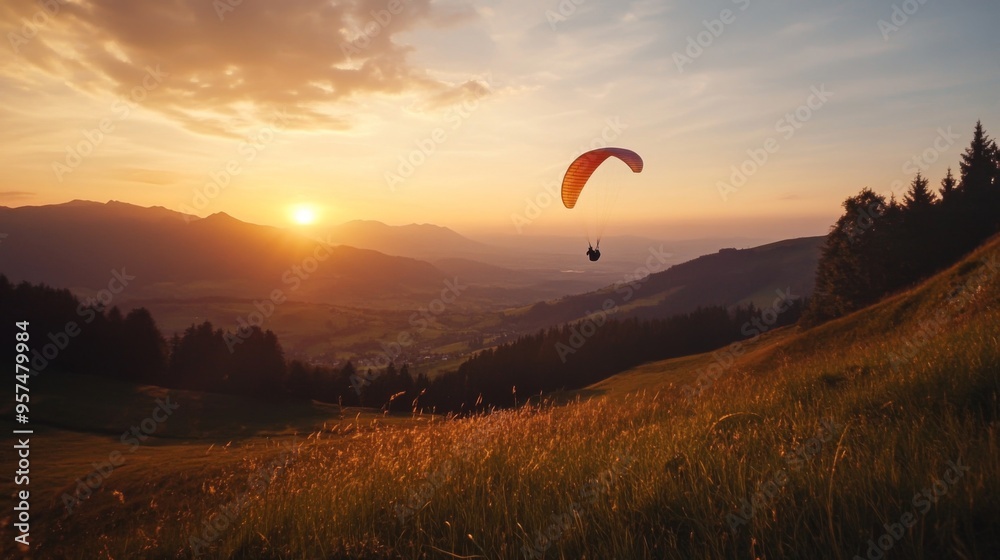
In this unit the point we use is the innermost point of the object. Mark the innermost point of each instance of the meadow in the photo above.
(871, 436)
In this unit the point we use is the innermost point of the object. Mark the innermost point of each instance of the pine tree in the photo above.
(948, 185)
(256, 366)
(979, 163)
(920, 245)
(143, 348)
(299, 382)
(919, 198)
(977, 212)
(201, 360)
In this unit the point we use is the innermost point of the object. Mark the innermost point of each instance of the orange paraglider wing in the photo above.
(583, 167)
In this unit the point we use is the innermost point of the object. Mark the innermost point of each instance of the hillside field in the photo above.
(874, 432)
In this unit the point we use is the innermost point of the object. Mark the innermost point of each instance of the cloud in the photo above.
(16, 195)
(146, 175)
(228, 65)
(469, 91)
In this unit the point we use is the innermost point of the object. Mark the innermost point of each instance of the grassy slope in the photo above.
(641, 472)
(78, 420)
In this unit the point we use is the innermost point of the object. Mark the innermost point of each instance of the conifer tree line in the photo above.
(880, 246)
(68, 335)
(550, 361)
(131, 348)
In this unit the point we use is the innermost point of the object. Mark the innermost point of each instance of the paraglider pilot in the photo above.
(579, 174)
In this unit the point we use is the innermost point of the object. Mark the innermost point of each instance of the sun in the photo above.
(303, 214)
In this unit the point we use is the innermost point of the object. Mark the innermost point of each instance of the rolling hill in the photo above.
(421, 241)
(729, 277)
(187, 270)
(80, 243)
(177, 256)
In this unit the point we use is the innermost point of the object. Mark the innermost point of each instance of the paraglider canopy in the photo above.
(583, 167)
(603, 192)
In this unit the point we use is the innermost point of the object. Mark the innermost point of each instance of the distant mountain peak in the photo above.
(221, 219)
(375, 224)
(79, 202)
(411, 240)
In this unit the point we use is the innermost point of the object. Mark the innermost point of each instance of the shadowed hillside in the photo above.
(821, 443)
(729, 277)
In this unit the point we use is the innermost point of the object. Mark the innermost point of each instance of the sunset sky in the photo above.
(310, 111)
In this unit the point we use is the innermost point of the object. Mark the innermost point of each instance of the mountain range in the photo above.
(79, 244)
(173, 256)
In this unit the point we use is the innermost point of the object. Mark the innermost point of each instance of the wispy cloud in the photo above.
(226, 69)
(16, 195)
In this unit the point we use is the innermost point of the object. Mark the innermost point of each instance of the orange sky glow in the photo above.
(753, 118)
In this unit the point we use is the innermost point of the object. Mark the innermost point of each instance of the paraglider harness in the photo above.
(594, 254)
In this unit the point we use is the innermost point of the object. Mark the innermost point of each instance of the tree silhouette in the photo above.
(979, 163)
(144, 351)
(869, 254)
(921, 249)
(919, 198)
(301, 380)
(257, 366)
(948, 185)
(198, 359)
(855, 267)
(534, 363)
(978, 206)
